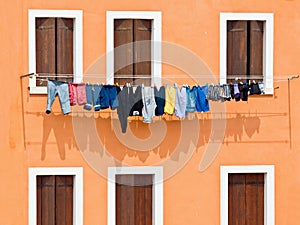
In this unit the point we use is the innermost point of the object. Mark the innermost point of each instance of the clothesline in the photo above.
(185, 76)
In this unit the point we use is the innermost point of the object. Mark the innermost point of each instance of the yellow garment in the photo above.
(170, 100)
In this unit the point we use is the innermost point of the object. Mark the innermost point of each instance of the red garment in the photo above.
(77, 94)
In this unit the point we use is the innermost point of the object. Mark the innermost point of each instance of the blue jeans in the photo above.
(61, 89)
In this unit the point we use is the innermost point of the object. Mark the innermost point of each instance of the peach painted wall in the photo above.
(262, 131)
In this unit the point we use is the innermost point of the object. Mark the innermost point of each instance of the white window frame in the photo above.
(77, 46)
(155, 44)
(156, 171)
(77, 172)
(268, 46)
(269, 188)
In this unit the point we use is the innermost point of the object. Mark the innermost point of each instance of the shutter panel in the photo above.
(123, 56)
(46, 200)
(236, 199)
(64, 200)
(256, 48)
(45, 47)
(142, 50)
(143, 199)
(236, 48)
(64, 47)
(124, 200)
(246, 199)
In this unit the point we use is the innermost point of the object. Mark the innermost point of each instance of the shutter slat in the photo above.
(123, 52)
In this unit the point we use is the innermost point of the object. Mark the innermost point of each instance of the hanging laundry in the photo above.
(236, 91)
(92, 94)
(191, 96)
(227, 92)
(254, 89)
(123, 109)
(61, 89)
(159, 100)
(108, 97)
(244, 89)
(149, 104)
(180, 102)
(201, 101)
(170, 99)
(136, 101)
(261, 87)
(77, 93)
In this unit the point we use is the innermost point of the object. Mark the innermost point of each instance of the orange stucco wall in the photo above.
(262, 131)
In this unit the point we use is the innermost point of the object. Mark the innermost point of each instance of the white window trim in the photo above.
(77, 51)
(267, 44)
(269, 187)
(77, 172)
(157, 217)
(155, 47)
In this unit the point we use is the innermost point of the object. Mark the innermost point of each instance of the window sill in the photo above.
(38, 90)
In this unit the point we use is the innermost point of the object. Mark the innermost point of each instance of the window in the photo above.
(246, 47)
(135, 195)
(55, 46)
(55, 196)
(139, 34)
(247, 195)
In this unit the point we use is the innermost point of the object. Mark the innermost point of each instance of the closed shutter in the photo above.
(256, 49)
(64, 47)
(134, 199)
(142, 51)
(236, 48)
(132, 58)
(45, 47)
(244, 49)
(54, 47)
(123, 53)
(54, 200)
(246, 199)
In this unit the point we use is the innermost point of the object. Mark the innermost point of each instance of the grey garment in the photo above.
(180, 103)
(261, 87)
(215, 93)
(227, 92)
(149, 104)
(62, 90)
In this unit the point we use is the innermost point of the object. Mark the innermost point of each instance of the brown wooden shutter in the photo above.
(236, 48)
(142, 50)
(64, 47)
(54, 47)
(246, 199)
(123, 52)
(45, 47)
(134, 199)
(256, 49)
(64, 200)
(133, 58)
(46, 200)
(55, 200)
(245, 49)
